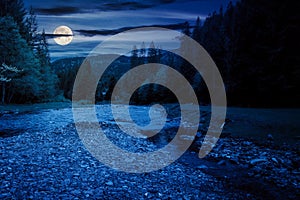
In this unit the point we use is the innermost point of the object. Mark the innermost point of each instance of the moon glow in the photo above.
(63, 40)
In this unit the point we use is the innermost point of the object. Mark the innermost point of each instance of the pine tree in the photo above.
(186, 29)
(159, 54)
(31, 27)
(196, 35)
(16, 10)
(22, 46)
(134, 57)
(42, 50)
(142, 52)
(16, 52)
(152, 53)
(49, 79)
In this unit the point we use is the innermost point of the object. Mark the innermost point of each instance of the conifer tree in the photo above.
(31, 26)
(152, 54)
(186, 29)
(196, 35)
(16, 10)
(16, 52)
(134, 57)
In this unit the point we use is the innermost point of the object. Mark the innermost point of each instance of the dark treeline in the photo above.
(66, 70)
(25, 70)
(254, 45)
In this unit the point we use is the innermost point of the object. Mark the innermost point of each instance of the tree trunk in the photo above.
(3, 93)
(10, 98)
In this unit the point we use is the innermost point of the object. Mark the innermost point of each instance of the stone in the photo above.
(275, 160)
(202, 167)
(109, 183)
(256, 161)
(222, 162)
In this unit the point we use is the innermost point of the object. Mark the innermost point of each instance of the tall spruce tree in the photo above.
(186, 29)
(31, 26)
(196, 35)
(49, 79)
(28, 51)
(15, 52)
(16, 10)
(152, 53)
(134, 57)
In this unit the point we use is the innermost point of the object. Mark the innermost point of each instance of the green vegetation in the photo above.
(252, 43)
(25, 49)
(32, 108)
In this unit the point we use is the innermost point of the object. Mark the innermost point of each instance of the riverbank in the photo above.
(257, 123)
(26, 108)
(54, 164)
(43, 157)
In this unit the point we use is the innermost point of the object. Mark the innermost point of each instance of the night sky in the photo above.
(110, 15)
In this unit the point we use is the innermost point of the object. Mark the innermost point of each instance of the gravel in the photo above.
(47, 160)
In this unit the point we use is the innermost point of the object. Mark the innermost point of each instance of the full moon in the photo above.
(63, 40)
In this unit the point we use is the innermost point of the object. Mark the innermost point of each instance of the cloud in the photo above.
(91, 25)
(59, 7)
(90, 33)
(81, 46)
(57, 10)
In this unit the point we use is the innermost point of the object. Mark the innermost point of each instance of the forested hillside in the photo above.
(25, 72)
(254, 45)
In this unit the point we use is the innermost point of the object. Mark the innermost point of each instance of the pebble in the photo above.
(202, 167)
(275, 160)
(257, 161)
(109, 183)
(53, 168)
(221, 162)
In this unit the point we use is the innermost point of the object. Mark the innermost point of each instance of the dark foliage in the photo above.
(66, 70)
(26, 51)
(254, 45)
(252, 42)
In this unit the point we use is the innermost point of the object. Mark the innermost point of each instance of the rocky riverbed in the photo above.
(42, 157)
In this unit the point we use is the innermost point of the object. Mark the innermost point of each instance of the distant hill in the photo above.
(66, 69)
